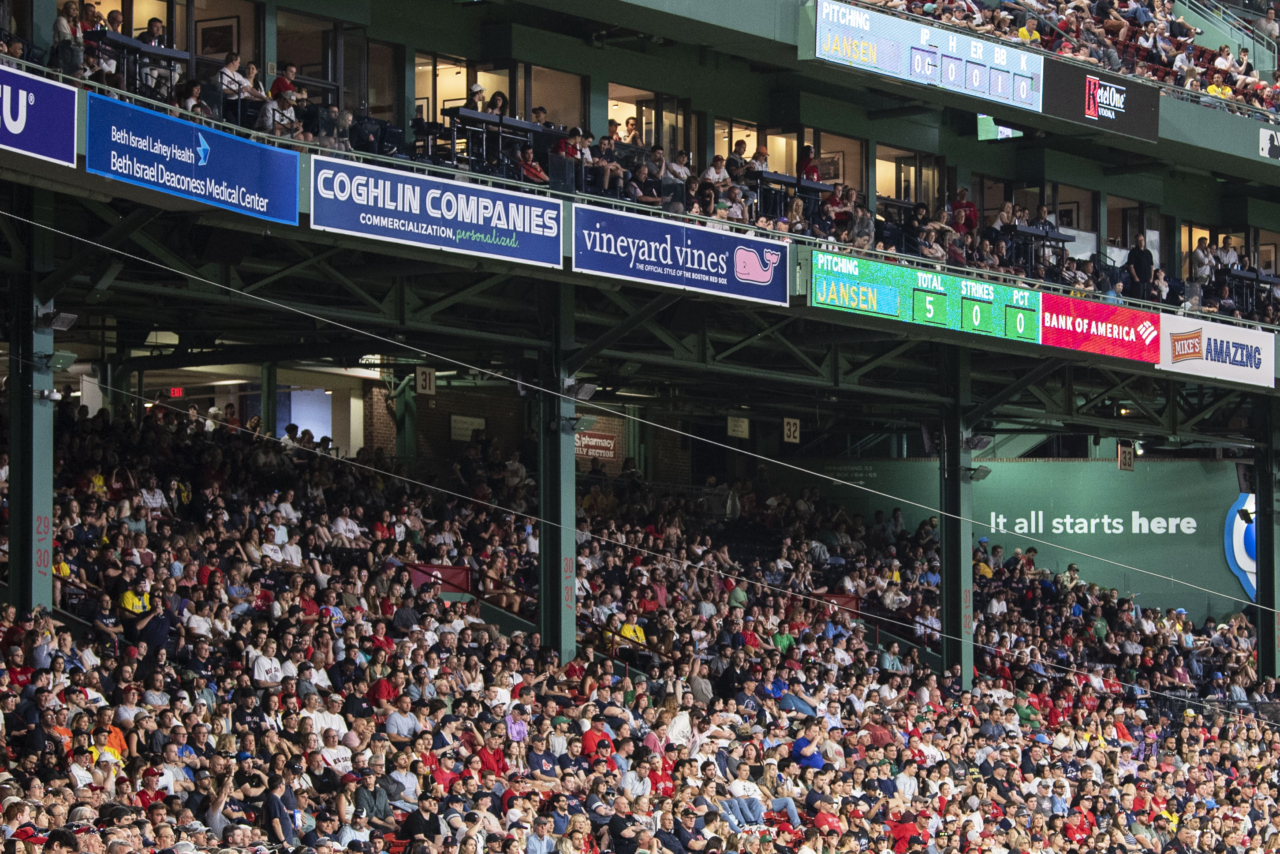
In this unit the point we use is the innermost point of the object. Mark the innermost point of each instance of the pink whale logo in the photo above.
(747, 266)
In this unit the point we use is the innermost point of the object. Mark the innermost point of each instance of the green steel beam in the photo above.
(557, 598)
(267, 398)
(1266, 469)
(31, 427)
(957, 507)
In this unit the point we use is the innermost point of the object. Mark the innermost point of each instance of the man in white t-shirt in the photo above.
(267, 672)
(717, 174)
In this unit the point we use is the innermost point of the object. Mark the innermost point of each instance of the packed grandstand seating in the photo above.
(279, 659)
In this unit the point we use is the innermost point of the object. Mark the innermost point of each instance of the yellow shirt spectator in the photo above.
(135, 604)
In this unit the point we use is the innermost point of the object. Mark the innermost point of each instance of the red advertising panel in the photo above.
(1095, 327)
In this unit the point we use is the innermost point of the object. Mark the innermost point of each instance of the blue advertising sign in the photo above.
(659, 251)
(175, 156)
(913, 51)
(37, 117)
(404, 207)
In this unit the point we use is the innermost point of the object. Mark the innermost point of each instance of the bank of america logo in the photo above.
(1147, 331)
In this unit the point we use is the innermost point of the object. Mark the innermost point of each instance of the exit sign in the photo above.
(177, 392)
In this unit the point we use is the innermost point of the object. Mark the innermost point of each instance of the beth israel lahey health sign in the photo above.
(171, 155)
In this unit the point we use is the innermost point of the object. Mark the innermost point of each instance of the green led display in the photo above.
(914, 295)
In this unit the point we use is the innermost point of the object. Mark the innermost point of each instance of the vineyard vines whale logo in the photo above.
(1240, 542)
(747, 266)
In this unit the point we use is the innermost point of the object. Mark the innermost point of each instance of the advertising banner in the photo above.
(1165, 513)
(910, 50)
(175, 156)
(37, 117)
(1095, 327)
(601, 446)
(402, 207)
(1113, 103)
(661, 252)
(913, 295)
(1191, 345)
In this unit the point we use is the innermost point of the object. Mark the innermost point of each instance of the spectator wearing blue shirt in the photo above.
(540, 841)
(807, 750)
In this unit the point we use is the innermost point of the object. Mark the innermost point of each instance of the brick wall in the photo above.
(613, 426)
(379, 427)
(502, 409)
(671, 460)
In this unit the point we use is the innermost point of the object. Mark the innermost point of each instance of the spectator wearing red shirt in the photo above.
(914, 825)
(284, 83)
(807, 166)
(383, 694)
(568, 146)
(827, 819)
(150, 793)
(492, 757)
(591, 738)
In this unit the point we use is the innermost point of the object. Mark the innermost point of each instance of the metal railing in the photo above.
(801, 241)
(1214, 10)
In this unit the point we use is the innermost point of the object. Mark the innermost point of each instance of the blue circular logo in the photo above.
(1240, 542)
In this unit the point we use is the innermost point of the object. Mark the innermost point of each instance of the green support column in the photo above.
(557, 599)
(870, 195)
(1102, 227)
(708, 141)
(124, 399)
(957, 501)
(268, 397)
(1265, 464)
(138, 405)
(409, 87)
(406, 419)
(268, 35)
(31, 430)
(597, 86)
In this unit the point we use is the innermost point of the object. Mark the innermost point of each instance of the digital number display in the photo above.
(911, 50)
(924, 297)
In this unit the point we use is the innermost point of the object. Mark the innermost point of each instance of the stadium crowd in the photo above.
(263, 672)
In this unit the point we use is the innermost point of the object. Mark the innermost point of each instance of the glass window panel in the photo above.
(355, 71)
(626, 103)
(307, 42)
(494, 80)
(384, 84)
(784, 151)
(840, 161)
(929, 190)
(1075, 208)
(451, 85)
(746, 133)
(993, 196)
(178, 37)
(223, 25)
(724, 140)
(561, 94)
(423, 76)
(145, 10)
(895, 173)
(1268, 245)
